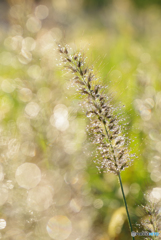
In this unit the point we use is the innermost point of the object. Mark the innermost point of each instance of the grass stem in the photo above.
(124, 198)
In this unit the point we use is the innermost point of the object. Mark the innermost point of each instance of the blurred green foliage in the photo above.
(146, 3)
(98, 4)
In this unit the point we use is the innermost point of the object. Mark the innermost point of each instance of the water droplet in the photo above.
(89, 114)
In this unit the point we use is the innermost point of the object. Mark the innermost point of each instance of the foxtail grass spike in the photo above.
(152, 219)
(104, 127)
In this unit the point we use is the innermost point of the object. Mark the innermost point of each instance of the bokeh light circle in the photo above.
(33, 24)
(39, 198)
(28, 175)
(59, 227)
(3, 194)
(41, 12)
(32, 109)
(1, 173)
(2, 223)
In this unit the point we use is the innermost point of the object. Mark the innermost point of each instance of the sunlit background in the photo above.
(49, 186)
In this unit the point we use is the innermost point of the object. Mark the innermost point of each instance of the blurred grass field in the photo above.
(122, 43)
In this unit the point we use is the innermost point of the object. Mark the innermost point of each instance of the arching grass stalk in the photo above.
(104, 128)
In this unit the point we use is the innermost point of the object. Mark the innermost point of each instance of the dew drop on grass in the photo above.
(89, 114)
(59, 227)
(28, 175)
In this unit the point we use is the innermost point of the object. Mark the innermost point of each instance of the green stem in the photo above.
(127, 211)
(122, 189)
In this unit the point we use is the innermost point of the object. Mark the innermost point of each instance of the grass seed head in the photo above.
(104, 128)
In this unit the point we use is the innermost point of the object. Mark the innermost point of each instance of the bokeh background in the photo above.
(49, 186)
